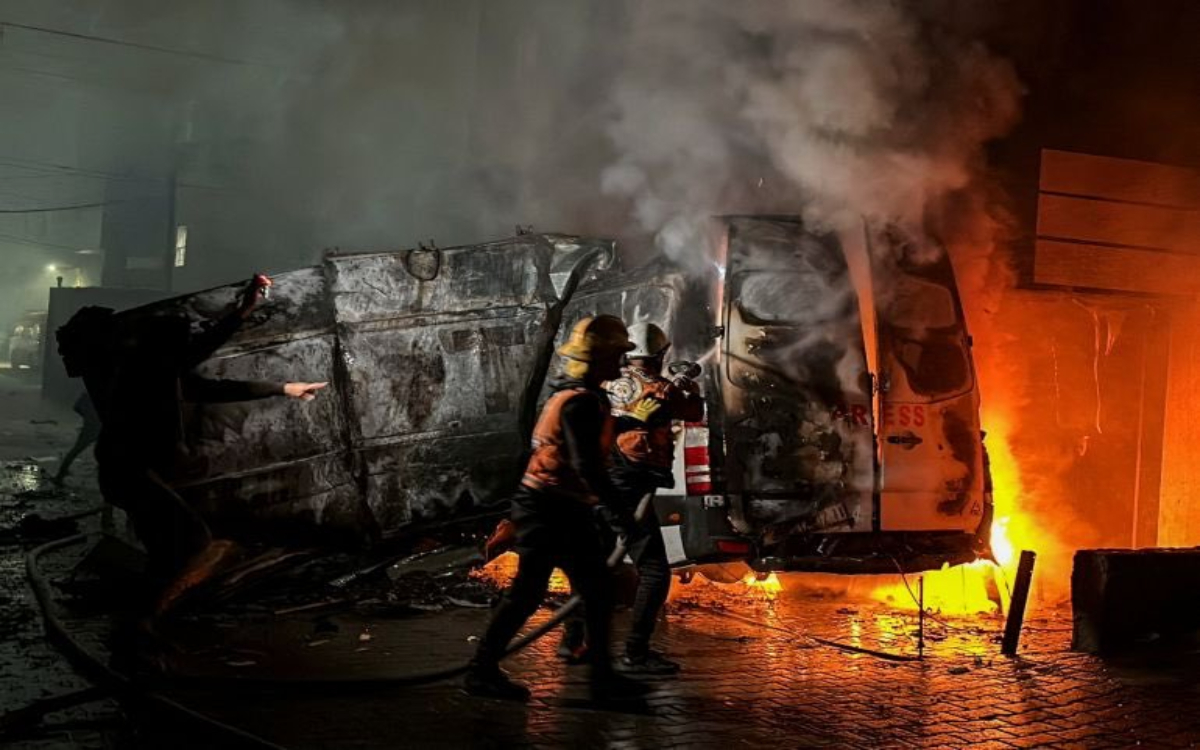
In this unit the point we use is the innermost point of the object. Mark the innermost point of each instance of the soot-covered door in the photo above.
(796, 392)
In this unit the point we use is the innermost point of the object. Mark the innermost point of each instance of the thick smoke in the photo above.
(378, 124)
(837, 110)
(849, 114)
(395, 123)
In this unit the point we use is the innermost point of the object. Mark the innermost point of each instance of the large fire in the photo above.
(981, 586)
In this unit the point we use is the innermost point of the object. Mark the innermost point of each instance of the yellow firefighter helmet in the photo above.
(596, 338)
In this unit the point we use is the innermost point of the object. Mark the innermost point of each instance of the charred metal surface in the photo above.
(276, 460)
(962, 440)
(438, 358)
(431, 355)
(559, 275)
(796, 396)
(814, 446)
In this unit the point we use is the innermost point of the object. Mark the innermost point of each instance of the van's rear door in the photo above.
(796, 394)
(932, 475)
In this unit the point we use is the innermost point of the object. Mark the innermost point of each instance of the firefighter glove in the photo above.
(645, 408)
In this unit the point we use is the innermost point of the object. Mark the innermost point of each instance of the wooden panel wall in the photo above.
(1179, 499)
(1117, 224)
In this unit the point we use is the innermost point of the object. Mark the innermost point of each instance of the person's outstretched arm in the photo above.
(200, 389)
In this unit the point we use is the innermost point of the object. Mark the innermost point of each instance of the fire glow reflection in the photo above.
(766, 588)
(501, 571)
(982, 586)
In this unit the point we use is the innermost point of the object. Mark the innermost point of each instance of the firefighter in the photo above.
(554, 512)
(643, 462)
(137, 374)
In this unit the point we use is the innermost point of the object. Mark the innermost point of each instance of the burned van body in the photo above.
(437, 359)
(843, 428)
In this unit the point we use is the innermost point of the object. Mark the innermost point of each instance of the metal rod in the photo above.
(921, 617)
(1016, 607)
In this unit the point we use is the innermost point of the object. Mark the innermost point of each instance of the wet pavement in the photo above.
(33, 437)
(743, 685)
(757, 671)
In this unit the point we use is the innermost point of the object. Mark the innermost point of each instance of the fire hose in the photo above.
(518, 644)
(104, 676)
(109, 681)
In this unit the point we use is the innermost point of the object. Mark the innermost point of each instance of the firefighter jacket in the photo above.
(651, 443)
(572, 441)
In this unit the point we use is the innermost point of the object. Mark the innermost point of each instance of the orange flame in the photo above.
(501, 570)
(763, 587)
(981, 586)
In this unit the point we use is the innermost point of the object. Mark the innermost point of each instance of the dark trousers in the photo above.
(649, 556)
(644, 545)
(170, 529)
(548, 538)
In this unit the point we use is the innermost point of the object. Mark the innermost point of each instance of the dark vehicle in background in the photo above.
(842, 430)
(26, 341)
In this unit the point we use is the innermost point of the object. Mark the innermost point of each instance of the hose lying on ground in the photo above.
(104, 676)
(821, 641)
(517, 644)
(124, 687)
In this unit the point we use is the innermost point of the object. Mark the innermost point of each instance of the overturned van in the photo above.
(842, 428)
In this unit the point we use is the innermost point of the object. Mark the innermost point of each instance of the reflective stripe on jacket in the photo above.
(550, 469)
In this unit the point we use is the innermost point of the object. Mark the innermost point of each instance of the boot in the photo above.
(648, 662)
(490, 681)
(573, 648)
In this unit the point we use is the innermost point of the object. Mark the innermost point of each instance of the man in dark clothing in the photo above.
(645, 405)
(554, 511)
(644, 461)
(138, 373)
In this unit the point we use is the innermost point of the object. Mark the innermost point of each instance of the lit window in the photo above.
(180, 245)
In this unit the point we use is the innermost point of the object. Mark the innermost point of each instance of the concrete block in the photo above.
(1128, 599)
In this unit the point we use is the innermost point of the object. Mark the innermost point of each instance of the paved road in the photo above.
(747, 686)
(33, 436)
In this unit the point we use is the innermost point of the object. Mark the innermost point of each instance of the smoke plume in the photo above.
(837, 110)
